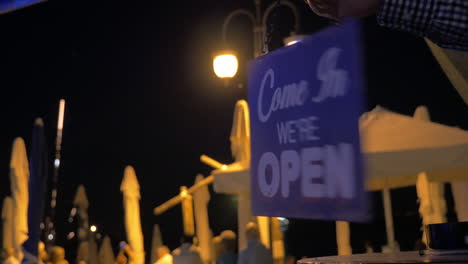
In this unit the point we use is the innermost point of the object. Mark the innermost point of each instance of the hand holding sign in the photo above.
(341, 9)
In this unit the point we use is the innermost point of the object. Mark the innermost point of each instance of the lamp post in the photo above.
(225, 64)
(50, 220)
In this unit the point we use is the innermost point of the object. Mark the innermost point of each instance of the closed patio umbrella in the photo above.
(131, 200)
(106, 254)
(7, 221)
(81, 203)
(155, 243)
(37, 182)
(19, 178)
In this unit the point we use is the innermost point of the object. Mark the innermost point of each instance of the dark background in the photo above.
(140, 91)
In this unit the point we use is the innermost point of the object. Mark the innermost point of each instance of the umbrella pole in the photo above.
(343, 238)
(387, 203)
(244, 216)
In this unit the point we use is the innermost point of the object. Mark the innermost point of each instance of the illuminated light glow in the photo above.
(224, 167)
(293, 39)
(50, 237)
(61, 113)
(183, 193)
(93, 228)
(56, 163)
(225, 65)
(71, 235)
(292, 42)
(283, 221)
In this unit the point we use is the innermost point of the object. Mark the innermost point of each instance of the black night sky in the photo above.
(140, 91)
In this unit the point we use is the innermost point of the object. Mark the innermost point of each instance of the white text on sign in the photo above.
(333, 84)
(321, 171)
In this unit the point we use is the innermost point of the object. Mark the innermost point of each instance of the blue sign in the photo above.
(10, 5)
(305, 102)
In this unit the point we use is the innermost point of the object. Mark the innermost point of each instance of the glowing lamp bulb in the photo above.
(93, 228)
(292, 42)
(225, 65)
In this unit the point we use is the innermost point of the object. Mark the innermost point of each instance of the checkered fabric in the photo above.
(445, 22)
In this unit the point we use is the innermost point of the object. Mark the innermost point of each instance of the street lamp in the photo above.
(225, 64)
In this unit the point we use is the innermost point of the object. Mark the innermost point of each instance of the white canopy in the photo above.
(397, 147)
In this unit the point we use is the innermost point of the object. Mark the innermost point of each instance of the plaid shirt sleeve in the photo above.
(445, 22)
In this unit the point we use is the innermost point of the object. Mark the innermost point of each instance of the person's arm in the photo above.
(130, 254)
(445, 22)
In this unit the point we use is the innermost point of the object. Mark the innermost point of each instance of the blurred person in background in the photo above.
(217, 247)
(57, 255)
(228, 241)
(186, 253)
(125, 255)
(164, 255)
(256, 252)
